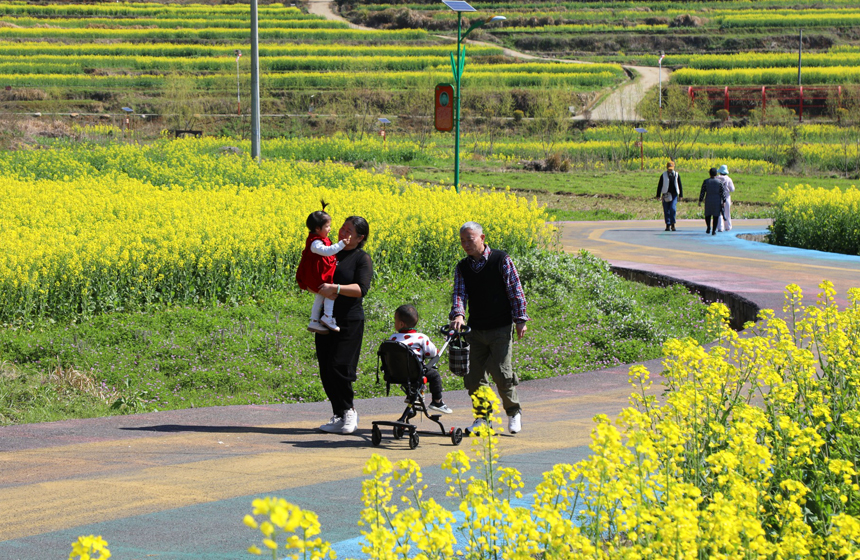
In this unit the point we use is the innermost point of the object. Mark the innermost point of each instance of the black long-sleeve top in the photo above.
(353, 267)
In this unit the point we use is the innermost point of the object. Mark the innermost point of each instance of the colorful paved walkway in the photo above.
(175, 485)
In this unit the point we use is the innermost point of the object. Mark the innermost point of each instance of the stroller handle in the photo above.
(449, 334)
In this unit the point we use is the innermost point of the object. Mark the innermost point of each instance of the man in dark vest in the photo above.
(487, 279)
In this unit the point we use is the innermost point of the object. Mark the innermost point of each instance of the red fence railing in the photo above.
(738, 100)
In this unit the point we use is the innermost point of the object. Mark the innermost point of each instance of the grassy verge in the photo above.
(598, 195)
(756, 189)
(260, 352)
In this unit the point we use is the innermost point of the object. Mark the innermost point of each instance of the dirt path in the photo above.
(323, 8)
(619, 105)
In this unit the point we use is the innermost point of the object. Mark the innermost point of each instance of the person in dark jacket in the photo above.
(488, 282)
(715, 194)
(669, 190)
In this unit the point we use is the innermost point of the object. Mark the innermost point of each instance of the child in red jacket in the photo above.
(317, 267)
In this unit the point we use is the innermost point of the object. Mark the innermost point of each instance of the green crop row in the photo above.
(760, 60)
(82, 64)
(476, 77)
(767, 76)
(185, 23)
(814, 19)
(212, 34)
(127, 9)
(760, 158)
(32, 49)
(828, 157)
(581, 28)
(844, 49)
(657, 7)
(754, 135)
(517, 16)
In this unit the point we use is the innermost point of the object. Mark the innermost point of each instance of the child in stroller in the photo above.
(405, 319)
(402, 359)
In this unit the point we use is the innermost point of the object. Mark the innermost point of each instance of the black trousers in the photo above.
(337, 354)
(708, 222)
(434, 380)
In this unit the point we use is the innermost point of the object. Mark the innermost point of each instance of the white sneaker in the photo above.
(334, 426)
(350, 421)
(329, 322)
(515, 423)
(441, 407)
(316, 327)
(475, 425)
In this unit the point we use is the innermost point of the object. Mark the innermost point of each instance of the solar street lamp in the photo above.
(641, 144)
(238, 90)
(382, 122)
(128, 112)
(460, 6)
(255, 83)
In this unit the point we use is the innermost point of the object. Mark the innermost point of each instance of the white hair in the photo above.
(474, 226)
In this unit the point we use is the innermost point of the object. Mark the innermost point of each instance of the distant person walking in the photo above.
(714, 194)
(669, 190)
(725, 219)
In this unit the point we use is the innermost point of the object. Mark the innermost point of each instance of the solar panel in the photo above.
(641, 130)
(459, 6)
(383, 120)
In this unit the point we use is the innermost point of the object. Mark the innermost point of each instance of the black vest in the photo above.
(489, 306)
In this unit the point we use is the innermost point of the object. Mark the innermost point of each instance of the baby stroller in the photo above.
(401, 366)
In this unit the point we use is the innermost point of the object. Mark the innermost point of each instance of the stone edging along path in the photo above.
(741, 308)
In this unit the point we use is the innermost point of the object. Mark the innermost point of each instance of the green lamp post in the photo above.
(457, 69)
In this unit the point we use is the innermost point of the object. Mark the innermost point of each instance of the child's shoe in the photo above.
(329, 322)
(440, 407)
(316, 327)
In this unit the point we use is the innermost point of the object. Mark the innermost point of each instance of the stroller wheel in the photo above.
(413, 441)
(456, 436)
(376, 436)
(398, 432)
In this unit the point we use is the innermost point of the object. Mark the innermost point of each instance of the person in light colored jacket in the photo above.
(724, 221)
(669, 191)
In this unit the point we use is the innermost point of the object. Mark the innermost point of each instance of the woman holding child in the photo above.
(338, 351)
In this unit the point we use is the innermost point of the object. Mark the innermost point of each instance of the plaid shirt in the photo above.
(513, 287)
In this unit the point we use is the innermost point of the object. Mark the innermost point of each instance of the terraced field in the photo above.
(99, 57)
(634, 28)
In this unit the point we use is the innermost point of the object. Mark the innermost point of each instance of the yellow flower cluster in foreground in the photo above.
(89, 548)
(281, 519)
(100, 228)
(751, 455)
